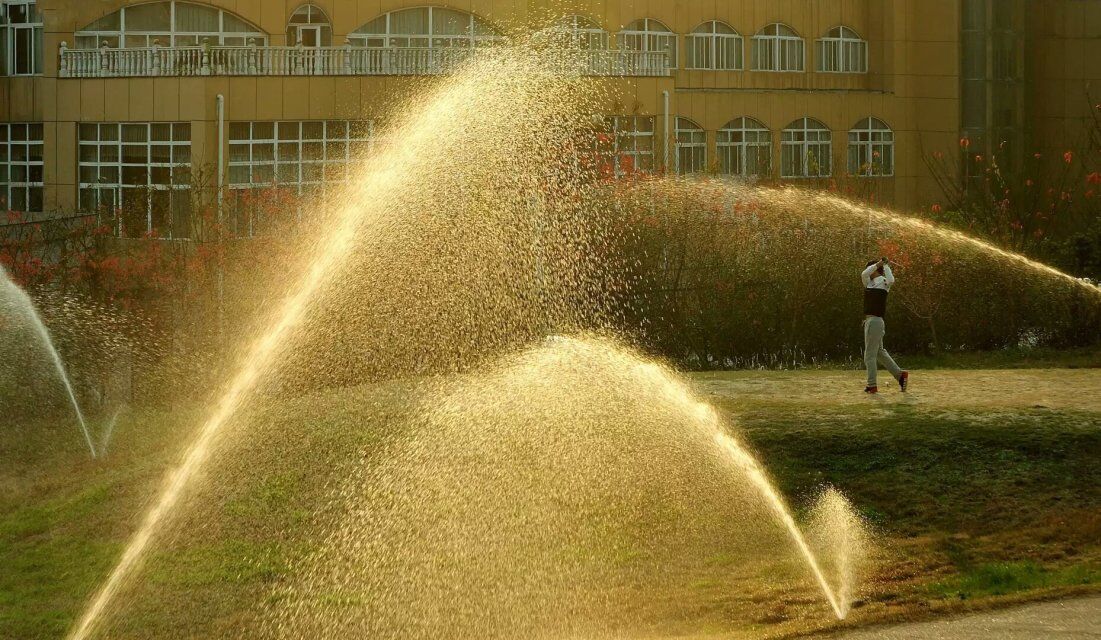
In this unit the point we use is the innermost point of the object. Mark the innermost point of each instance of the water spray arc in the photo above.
(535, 497)
(375, 199)
(958, 237)
(20, 297)
(709, 419)
(256, 363)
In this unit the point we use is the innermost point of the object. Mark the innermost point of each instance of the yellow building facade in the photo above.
(111, 103)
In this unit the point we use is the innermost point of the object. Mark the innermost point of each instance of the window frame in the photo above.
(775, 44)
(32, 166)
(690, 141)
(324, 27)
(170, 38)
(431, 40)
(647, 38)
(177, 170)
(713, 43)
(630, 140)
(579, 33)
(795, 139)
(12, 35)
(846, 39)
(293, 135)
(734, 154)
(862, 152)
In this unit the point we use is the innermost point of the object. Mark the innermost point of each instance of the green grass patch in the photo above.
(1005, 578)
(968, 504)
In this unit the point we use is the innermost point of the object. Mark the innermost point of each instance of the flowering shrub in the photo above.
(733, 276)
(1049, 209)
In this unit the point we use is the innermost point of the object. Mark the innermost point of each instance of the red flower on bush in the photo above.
(1094, 178)
(978, 158)
(936, 208)
(1068, 157)
(965, 143)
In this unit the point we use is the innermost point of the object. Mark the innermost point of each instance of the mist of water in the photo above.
(20, 302)
(109, 430)
(778, 210)
(506, 94)
(538, 497)
(471, 235)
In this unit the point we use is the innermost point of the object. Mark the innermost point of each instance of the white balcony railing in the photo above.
(320, 61)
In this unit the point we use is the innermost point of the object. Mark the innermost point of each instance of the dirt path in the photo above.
(1057, 389)
(1066, 620)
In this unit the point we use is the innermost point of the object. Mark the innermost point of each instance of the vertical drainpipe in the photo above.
(665, 132)
(221, 184)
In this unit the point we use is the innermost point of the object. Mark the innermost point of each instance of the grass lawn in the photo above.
(983, 488)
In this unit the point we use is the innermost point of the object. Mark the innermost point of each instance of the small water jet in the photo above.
(109, 430)
(18, 301)
(843, 539)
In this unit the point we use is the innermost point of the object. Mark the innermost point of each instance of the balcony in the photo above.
(349, 60)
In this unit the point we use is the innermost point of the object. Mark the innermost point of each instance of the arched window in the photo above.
(842, 50)
(576, 32)
(745, 148)
(309, 27)
(170, 24)
(871, 148)
(649, 35)
(714, 45)
(691, 143)
(427, 28)
(778, 48)
(806, 149)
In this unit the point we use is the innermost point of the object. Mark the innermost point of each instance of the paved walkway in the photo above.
(1065, 620)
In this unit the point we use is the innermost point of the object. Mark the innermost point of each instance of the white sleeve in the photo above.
(887, 275)
(866, 275)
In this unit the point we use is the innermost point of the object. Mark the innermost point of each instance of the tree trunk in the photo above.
(933, 333)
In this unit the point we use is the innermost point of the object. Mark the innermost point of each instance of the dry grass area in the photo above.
(982, 486)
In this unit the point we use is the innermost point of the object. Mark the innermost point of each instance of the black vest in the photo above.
(875, 302)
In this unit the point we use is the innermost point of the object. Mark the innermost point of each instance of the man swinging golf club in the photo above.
(877, 278)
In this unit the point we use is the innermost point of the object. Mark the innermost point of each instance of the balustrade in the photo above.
(255, 60)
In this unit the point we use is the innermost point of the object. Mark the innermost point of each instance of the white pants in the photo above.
(874, 353)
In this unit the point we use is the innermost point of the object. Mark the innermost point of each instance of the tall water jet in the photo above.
(445, 253)
(20, 302)
(507, 92)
